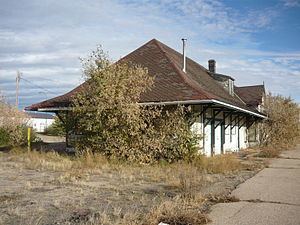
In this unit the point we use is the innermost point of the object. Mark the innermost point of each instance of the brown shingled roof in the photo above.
(170, 84)
(251, 95)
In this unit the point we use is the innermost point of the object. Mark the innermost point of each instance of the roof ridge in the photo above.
(184, 77)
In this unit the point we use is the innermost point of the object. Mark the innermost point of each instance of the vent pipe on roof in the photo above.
(183, 54)
(212, 65)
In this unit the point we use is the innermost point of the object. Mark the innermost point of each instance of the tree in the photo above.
(111, 121)
(12, 124)
(57, 128)
(282, 128)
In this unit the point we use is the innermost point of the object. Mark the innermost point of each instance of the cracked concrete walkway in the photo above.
(270, 197)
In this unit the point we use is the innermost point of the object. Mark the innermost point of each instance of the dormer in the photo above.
(226, 81)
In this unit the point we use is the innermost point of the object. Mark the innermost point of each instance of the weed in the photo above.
(269, 152)
(176, 212)
(222, 198)
(226, 163)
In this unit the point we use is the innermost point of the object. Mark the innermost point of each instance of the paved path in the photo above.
(270, 197)
(51, 139)
(55, 143)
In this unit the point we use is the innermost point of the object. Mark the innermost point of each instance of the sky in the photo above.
(254, 41)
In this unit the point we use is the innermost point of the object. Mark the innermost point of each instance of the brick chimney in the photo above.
(212, 65)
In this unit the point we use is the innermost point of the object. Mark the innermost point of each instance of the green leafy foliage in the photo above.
(57, 128)
(16, 136)
(4, 137)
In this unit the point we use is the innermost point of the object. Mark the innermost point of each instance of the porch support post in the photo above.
(203, 110)
(223, 133)
(60, 117)
(250, 122)
(64, 120)
(213, 117)
(230, 119)
(238, 122)
(203, 122)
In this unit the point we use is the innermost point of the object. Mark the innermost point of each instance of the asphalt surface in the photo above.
(270, 197)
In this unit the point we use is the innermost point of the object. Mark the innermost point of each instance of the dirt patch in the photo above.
(9, 197)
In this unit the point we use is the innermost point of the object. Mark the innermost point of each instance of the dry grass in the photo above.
(222, 198)
(226, 163)
(273, 151)
(269, 152)
(170, 193)
(53, 161)
(178, 212)
(176, 173)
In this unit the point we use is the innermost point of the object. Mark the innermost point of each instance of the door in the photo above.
(218, 139)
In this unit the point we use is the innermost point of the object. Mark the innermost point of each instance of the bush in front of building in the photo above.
(12, 125)
(4, 137)
(110, 120)
(57, 128)
(282, 128)
(16, 136)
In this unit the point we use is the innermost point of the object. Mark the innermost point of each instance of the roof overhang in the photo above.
(209, 101)
(54, 109)
(186, 102)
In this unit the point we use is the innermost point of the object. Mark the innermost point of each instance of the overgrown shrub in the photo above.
(225, 163)
(13, 129)
(16, 136)
(269, 152)
(4, 137)
(57, 128)
(282, 127)
(111, 121)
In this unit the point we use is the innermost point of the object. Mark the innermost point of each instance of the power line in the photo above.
(38, 86)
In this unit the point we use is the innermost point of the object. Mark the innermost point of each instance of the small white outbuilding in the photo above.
(40, 121)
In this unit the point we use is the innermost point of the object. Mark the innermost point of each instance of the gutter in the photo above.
(187, 102)
(240, 109)
(205, 102)
(54, 109)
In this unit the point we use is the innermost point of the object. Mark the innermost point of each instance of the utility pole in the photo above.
(17, 88)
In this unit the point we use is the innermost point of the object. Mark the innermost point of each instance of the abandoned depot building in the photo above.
(226, 114)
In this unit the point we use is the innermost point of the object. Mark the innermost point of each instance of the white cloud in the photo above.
(291, 3)
(44, 40)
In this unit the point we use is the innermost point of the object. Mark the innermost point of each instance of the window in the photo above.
(252, 133)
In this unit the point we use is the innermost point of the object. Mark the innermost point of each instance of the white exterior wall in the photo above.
(233, 135)
(197, 126)
(234, 145)
(39, 124)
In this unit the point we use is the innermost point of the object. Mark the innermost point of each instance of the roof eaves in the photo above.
(206, 101)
